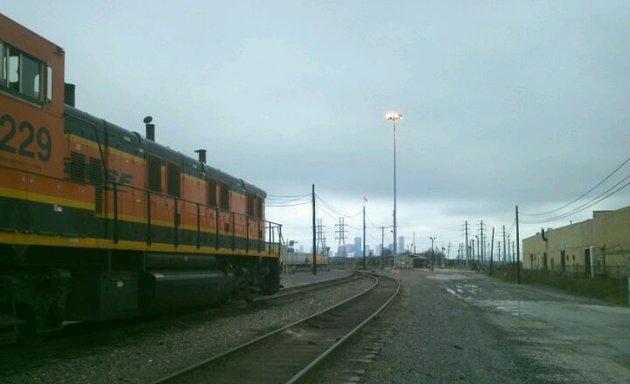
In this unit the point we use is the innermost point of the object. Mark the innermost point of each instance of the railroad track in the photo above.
(79, 329)
(79, 340)
(305, 288)
(285, 355)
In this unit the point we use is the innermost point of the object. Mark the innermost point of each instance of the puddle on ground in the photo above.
(513, 307)
(464, 290)
(471, 293)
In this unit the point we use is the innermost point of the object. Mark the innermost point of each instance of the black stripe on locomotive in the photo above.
(40, 218)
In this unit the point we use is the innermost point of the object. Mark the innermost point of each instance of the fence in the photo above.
(614, 271)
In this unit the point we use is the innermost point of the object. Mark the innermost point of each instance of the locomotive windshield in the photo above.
(24, 75)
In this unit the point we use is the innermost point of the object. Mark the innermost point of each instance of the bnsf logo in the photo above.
(121, 178)
(21, 138)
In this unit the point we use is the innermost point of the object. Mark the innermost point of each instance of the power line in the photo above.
(582, 195)
(278, 205)
(333, 209)
(278, 201)
(288, 196)
(602, 196)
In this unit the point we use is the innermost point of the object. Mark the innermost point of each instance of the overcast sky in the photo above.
(504, 102)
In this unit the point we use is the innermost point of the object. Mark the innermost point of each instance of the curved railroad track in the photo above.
(285, 355)
(308, 287)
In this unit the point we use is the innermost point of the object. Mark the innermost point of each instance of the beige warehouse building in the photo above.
(598, 246)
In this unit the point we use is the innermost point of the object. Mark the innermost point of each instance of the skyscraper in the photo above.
(357, 247)
(401, 244)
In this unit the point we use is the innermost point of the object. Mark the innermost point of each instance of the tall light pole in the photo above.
(394, 117)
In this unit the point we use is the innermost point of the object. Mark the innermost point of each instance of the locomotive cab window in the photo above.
(24, 75)
(49, 83)
(3, 66)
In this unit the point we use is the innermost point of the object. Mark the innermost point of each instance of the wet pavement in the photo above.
(578, 339)
(463, 326)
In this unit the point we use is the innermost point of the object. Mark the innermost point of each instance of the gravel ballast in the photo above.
(461, 326)
(145, 352)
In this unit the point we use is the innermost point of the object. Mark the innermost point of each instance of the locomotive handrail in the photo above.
(116, 188)
(115, 214)
(149, 240)
(119, 189)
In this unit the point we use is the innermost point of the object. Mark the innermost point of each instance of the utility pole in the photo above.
(382, 247)
(504, 249)
(499, 250)
(518, 252)
(314, 237)
(491, 250)
(432, 252)
(467, 252)
(482, 243)
(478, 250)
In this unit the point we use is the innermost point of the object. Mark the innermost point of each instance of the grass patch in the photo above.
(608, 289)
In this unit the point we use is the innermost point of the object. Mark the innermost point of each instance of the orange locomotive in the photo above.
(97, 222)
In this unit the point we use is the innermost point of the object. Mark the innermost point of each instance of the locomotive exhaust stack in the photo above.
(202, 155)
(69, 94)
(150, 128)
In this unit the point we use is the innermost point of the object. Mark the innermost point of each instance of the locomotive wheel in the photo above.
(27, 333)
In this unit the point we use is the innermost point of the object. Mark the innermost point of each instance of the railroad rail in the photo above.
(286, 354)
(307, 287)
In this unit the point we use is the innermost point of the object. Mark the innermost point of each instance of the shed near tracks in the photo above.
(420, 261)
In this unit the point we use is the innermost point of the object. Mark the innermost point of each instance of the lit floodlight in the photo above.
(394, 116)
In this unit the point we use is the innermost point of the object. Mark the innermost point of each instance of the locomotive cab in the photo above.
(31, 134)
(32, 94)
